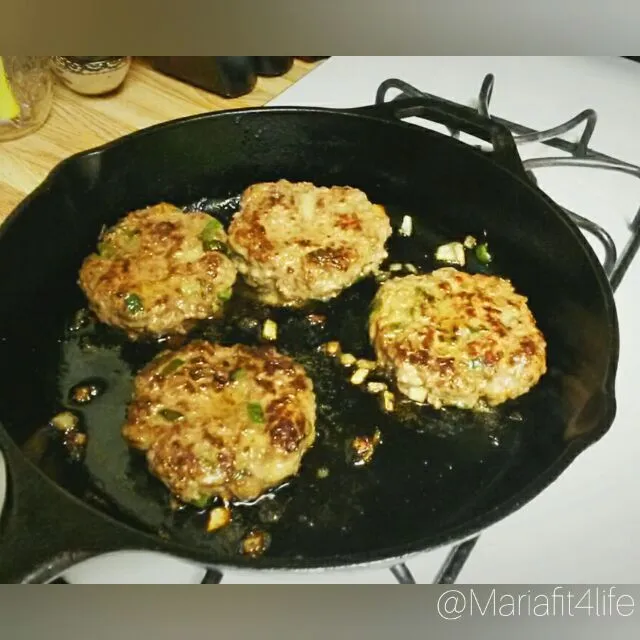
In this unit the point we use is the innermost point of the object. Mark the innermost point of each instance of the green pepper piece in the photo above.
(226, 294)
(238, 374)
(106, 249)
(172, 367)
(255, 412)
(211, 230)
(133, 303)
(201, 502)
(482, 253)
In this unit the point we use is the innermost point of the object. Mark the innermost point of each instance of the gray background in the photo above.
(172, 613)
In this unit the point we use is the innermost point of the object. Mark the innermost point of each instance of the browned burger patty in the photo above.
(158, 271)
(455, 339)
(231, 422)
(296, 242)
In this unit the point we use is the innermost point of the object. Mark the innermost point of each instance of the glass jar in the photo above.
(91, 75)
(26, 94)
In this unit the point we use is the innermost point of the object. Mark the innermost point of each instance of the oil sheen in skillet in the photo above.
(431, 466)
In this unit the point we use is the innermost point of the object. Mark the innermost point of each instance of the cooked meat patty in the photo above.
(296, 242)
(158, 271)
(231, 422)
(455, 339)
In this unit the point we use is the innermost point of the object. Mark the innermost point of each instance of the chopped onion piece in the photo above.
(347, 359)
(332, 348)
(388, 401)
(322, 473)
(270, 330)
(406, 228)
(417, 394)
(376, 387)
(359, 376)
(218, 518)
(452, 253)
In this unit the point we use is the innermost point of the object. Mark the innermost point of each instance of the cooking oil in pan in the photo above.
(427, 469)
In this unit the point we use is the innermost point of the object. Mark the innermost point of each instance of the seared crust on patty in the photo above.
(157, 271)
(231, 422)
(455, 339)
(296, 242)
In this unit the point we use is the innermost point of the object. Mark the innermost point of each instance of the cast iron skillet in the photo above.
(436, 478)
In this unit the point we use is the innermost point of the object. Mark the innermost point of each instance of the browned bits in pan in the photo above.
(362, 448)
(73, 440)
(84, 393)
(255, 543)
(65, 421)
(75, 443)
(316, 319)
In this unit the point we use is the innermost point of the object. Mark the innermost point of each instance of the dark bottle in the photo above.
(272, 65)
(227, 76)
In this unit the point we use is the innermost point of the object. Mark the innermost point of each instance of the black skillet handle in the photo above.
(456, 118)
(43, 531)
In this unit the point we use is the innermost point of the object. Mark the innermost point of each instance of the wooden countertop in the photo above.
(78, 123)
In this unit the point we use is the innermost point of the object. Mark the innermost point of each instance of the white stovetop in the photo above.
(580, 529)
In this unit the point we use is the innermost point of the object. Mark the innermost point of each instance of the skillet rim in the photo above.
(388, 555)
